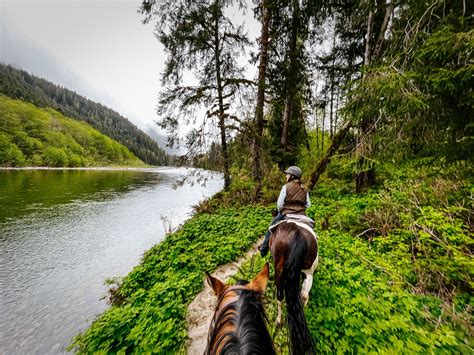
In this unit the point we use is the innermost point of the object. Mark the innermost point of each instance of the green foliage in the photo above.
(10, 154)
(370, 295)
(312, 152)
(395, 274)
(43, 137)
(359, 304)
(55, 157)
(422, 101)
(154, 296)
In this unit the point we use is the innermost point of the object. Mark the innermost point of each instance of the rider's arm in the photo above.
(308, 202)
(281, 198)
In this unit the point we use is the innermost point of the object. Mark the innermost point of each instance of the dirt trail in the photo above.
(201, 309)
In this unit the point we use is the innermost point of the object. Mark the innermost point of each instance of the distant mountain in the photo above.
(19, 84)
(33, 136)
(162, 140)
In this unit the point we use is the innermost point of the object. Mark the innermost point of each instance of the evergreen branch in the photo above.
(238, 81)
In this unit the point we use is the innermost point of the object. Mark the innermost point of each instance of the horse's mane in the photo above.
(248, 318)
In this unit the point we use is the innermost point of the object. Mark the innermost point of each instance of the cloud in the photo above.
(17, 50)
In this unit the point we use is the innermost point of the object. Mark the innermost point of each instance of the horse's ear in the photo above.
(259, 282)
(216, 284)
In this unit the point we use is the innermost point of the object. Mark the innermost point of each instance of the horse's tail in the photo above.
(301, 341)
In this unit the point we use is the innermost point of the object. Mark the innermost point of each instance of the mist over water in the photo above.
(63, 232)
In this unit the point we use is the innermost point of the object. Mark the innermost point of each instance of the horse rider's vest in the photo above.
(295, 200)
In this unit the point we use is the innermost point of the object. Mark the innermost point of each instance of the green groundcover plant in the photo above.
(395, 274)
(151, 302)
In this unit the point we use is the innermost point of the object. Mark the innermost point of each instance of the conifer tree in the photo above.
(265, 16)
(200, 39)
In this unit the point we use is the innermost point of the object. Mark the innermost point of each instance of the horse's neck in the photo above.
(249, 330)
(251, 327)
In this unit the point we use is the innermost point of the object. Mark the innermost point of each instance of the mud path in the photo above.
(201, 309)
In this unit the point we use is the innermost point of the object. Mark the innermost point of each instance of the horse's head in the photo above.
(257, 285)
(238, 324)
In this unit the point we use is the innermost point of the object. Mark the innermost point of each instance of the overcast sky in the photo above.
(99, 49)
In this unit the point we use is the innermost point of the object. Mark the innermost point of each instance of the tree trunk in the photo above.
(262, 68)
(220, 98)
(324, 119)
(331, 107)
(332, 125)
(324, 161)
(317, 129)
(367, 39)
(381, 37)
(290, 89)
(365, 176)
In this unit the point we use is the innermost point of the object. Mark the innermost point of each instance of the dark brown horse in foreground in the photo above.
(294, 248)
(238, 325)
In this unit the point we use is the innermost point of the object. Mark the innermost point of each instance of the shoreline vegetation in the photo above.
(118, 168)
(395, 272)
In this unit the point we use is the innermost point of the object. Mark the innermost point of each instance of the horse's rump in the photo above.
(285, 242)
(294, 249)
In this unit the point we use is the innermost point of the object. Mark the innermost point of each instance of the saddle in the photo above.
(298, 219)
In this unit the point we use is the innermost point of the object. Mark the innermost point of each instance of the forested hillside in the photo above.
(31, 136)
(19, 84)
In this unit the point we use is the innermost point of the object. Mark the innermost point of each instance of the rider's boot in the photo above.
(264, 246)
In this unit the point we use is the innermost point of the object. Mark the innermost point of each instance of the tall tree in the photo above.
(409, 75)
(199, 38)
(378, 17)
(291, 74)
(419, 87)
(288, 79)
(265, 16)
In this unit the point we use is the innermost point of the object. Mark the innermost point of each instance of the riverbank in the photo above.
(149, 307)
(63, 232)
(384, 282)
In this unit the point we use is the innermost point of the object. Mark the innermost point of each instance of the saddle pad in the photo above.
(299, 224)
(300, 218)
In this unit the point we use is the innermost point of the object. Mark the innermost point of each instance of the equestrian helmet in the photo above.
(295, 171)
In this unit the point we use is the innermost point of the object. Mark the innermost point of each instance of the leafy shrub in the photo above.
(55, 157)
(10, 154)
(76, 160)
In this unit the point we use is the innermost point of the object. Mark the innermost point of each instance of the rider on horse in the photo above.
(293, 199)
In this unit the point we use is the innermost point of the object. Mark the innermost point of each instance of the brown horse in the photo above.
(238, 325)
(294, 248)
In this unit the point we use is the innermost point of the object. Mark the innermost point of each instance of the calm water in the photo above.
(63, 232)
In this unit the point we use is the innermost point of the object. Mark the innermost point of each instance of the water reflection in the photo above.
(63, 232)
(25, 191)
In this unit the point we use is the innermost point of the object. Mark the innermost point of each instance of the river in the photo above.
(63, 232)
